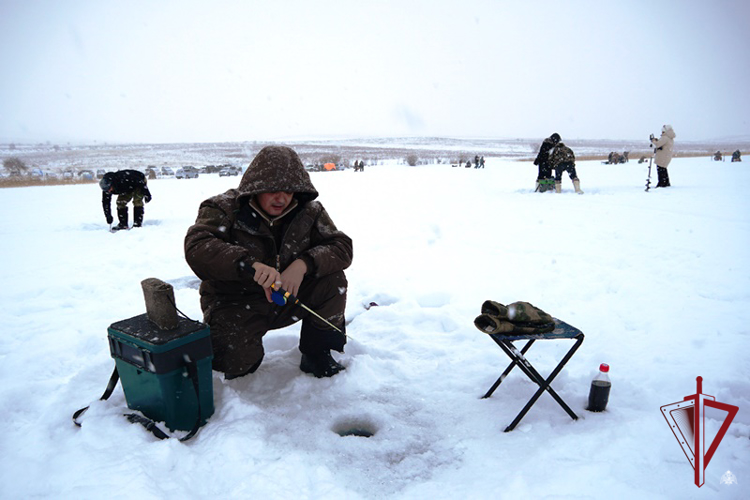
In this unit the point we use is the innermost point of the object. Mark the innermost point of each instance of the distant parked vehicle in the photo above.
(229, 171)
(187, 173)
(212, 169)
(100, 173)
(167, 171)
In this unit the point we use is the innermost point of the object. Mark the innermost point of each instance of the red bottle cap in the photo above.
(604, 367)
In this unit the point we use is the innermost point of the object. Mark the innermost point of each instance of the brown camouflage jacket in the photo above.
(562, 154)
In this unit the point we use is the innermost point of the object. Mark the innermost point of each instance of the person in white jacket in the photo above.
(663, 151)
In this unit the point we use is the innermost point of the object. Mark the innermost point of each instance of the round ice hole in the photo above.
(355, 427)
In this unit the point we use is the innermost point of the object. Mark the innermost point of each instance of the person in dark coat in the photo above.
(543, 160)
(127, 185)
(270, 232)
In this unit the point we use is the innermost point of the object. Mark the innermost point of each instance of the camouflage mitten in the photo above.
(524, 312)
(492, 325)
(492, 308)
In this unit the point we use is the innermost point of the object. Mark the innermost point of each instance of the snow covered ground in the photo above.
(659, 282)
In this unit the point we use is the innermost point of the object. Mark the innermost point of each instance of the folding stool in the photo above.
(562, 331)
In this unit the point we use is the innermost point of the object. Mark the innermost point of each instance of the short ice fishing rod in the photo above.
(282, 297)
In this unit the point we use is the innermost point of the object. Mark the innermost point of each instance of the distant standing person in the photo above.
(543, 162)
(663, 151)
(564, 160)
(127, 185)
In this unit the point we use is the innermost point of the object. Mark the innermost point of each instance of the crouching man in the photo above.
(270, 230)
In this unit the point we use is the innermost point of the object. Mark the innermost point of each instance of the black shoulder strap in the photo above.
(107, 393)
(150, 425)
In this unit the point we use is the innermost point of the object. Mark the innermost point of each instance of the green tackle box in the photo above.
(153, 367)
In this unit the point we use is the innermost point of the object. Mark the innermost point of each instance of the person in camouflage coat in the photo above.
(564, 160)
(271, 229)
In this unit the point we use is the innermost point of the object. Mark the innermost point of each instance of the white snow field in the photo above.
(659, 282)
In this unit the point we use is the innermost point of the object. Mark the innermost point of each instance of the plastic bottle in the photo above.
(600, 386)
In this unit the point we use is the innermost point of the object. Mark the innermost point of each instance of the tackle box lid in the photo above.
(141, 330)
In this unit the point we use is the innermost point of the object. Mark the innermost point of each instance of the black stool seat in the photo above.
(562, 331)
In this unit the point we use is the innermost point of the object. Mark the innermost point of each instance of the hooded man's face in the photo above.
(274, 204)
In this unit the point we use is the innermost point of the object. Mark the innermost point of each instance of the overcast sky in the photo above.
(206, 71)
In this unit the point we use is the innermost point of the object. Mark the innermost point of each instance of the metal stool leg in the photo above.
(507, 371)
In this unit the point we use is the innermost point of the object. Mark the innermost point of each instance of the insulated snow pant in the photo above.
(545, 172)
(136, 195)
(238, 326)
(565, 167)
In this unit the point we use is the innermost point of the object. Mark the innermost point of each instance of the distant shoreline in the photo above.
(56, 158)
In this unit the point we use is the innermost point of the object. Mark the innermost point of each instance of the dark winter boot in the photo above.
(122, 216)
(320, 364)
(137, 216)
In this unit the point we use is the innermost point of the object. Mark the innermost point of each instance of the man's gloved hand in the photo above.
(147, 198)
(651, 137)
(109, 219)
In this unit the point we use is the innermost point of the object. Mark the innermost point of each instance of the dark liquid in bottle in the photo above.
(599, 395)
